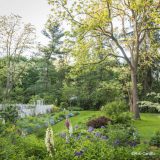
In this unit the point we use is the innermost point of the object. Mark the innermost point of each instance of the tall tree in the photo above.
(122, 24)
(15, 39)
(148, 61)
(54, 48)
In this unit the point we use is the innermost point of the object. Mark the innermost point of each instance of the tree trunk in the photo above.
(147, 80)
(134, 94)
(47, 76)
(130, 99)
(8, 82)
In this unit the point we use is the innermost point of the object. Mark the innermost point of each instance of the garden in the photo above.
(110, 133)
(84, 85)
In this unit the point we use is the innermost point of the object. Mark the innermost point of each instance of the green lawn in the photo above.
(148, 124)
(81, 118)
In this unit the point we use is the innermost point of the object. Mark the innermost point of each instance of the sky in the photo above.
(31, 11)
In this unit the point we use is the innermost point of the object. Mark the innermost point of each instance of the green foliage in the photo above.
(9, 113)
(155, 139)
(151, 103)
(153, 97)
(35, 147)
(109, 143)
(10, 151)
(9, 148)
(149, 107)
(93, 145)
(124, 118)
(37, 77)
(91, 86)
(34, 99)
(117, 110)
(38, 125)
(17, 147)
(93, 34)
(122, 135)
(75, 108)
(55, 109)
(64, 105)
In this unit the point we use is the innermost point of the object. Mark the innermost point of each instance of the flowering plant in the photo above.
(49, 142)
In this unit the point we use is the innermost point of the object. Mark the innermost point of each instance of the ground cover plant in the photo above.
(80, 141)
(38, 124)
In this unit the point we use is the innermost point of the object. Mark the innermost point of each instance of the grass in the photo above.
(81, 118)
(148, 124)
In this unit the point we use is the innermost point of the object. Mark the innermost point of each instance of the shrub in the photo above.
(117, 111)
(115, 108)
(62, 116)
(64, 105)
(93, 145)
(153, 97)
(34, 99)
(76, 113)
(32, 146)
(114, 142)
(9, 113)
(149, 107)
(121, 135)
(75, 109)
(39, 132)
(10, 151)
(55, 109)
(98, 122)
(155, 140)
(123, 118)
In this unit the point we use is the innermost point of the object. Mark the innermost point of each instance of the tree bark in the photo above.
(9, 82)
(130, 99)
(147, 80)
(134, 94)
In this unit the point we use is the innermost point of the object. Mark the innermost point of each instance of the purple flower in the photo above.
(90, 129)
(102, 127)
(76, 127)
(97, 134)
(117, 142)
(78, 153)
(67, 123)
(63, 135)
(133, 143)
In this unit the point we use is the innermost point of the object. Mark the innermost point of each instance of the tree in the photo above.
(93, 86)
(16, 39)
(54, 48)
(121, 24)
(149, 62)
